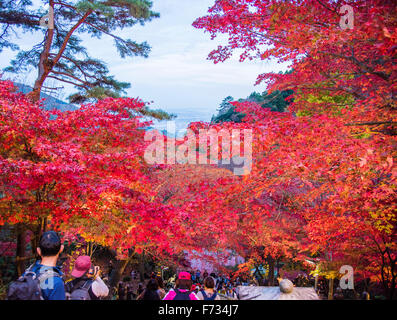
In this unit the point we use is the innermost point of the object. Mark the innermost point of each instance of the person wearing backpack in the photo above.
(182, 291)
(160, 290)
(43, 279)
(87, 283)
(208, 293)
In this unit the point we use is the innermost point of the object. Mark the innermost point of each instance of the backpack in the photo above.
(81, 292)
(181, 295)
(27, 286)
(208, 298)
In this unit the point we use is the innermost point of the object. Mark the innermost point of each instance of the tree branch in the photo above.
(371, 123)
(63, 80)
(69, 34)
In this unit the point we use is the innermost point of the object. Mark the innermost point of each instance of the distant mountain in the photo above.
(50, 102)
(182, 121)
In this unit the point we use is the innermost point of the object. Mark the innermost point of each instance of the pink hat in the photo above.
(184, 275)
(81, 266)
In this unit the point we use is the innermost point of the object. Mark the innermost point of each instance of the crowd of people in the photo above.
(187, 286)
(44, 280)
(193, 286)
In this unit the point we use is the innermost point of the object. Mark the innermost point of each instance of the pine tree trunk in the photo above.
(45, 65)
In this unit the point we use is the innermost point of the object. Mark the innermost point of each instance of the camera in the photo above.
(93, 270)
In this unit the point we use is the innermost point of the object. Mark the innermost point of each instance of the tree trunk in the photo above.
(270, 262)
(21, 249)
(45, 65)
(41, 228)
(257, 271)
(331, 289)
(141, 267)
(315, 283)
(393, 275)
(117, 273)
(391, 289)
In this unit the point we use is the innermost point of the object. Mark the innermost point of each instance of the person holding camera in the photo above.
(87, 283)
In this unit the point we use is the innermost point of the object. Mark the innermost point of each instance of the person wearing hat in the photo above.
(87, 283)
(183, 288)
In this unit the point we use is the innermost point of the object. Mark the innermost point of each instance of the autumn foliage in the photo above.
(324, 174)
(346, 72)
(81, 171)
(322, 187)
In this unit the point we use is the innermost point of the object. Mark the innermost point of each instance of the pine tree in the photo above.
(61, 55)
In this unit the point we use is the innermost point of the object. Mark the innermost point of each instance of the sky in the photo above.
(176, 76)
